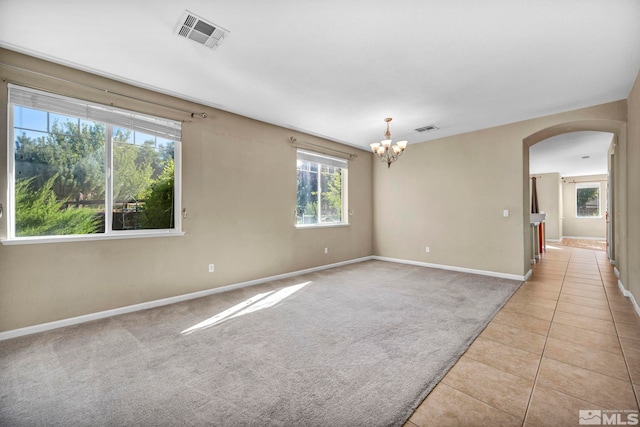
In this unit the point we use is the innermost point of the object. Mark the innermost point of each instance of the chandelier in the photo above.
(385, 151)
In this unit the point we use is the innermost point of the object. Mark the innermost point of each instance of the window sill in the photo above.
(89, 237)
(589, 217)
(309, 226)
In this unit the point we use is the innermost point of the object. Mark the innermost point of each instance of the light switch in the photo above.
(505, 213)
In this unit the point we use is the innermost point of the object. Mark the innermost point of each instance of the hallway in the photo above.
(568, 340)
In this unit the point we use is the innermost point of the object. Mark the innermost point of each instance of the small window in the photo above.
(588, 200)
(321, 189)
(83, 169)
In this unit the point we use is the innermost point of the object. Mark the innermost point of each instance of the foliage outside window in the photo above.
(74, 161)
(321, 189)
(588, 200)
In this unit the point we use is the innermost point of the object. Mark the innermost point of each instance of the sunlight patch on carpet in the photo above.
(251, 305)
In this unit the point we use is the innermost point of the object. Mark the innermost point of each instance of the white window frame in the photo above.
(597, 185)
(110, 116)
(324, 159)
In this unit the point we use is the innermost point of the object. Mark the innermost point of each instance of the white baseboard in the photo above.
(627, 293)
(165, 301)
(185, 297)
(454, 268)
(554, 240)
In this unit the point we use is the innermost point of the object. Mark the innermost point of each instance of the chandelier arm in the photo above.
(386, 151)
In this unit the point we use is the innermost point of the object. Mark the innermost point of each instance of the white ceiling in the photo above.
(337, 68)
(565, 154)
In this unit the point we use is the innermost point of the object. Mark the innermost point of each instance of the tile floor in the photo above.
(600, 245)
(567, 340)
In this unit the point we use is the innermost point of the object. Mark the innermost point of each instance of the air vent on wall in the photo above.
(192, 27)
(428, 128)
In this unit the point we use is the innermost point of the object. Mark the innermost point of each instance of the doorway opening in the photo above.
(574, 166)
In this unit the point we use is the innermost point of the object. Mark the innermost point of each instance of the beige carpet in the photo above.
(359, 345)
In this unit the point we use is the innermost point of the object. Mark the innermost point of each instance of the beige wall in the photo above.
(239, 188)
(549, 189)
(632, 279)
(449, 193)
(583, 227)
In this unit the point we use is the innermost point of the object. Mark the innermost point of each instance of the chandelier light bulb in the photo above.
(385, 150)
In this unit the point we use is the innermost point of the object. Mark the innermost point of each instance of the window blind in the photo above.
(40, 100)
(322, 158)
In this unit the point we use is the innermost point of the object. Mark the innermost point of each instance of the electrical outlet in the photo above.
(326, 250)
(211, 268)
(426, 249)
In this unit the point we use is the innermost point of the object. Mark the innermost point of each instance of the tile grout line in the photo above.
(479, 361)
(442, 381)
(624, 353)
(534, 380)
(621, 350)
(566, 278)
(546, 338)
(480, 400)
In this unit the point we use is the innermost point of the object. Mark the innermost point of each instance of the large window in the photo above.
(588, 200)
(72, 162)
(321, 189)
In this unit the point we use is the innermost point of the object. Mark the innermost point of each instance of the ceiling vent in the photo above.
(203, 32)
(428, 128)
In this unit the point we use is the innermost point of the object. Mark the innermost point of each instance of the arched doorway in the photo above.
(571, 172)
(618, 129)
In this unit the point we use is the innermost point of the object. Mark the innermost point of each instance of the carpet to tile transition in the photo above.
(359, 345)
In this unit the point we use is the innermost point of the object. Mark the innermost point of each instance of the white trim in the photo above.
(193, 295)
(11, 174)
(629, 295)
(165, 301)
(616, 272)
(327, 160)
(526, 276)
(554, 240)
(322, 225)
(454, 268)
(111, 117)
(133, 234)
(634, 302)
(581, 185)
(622, 288)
